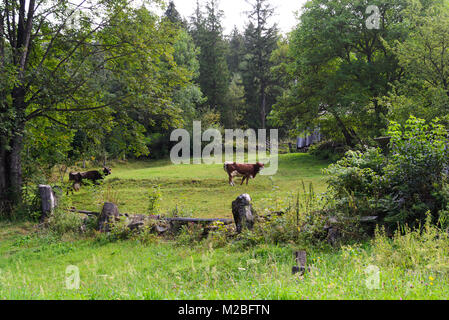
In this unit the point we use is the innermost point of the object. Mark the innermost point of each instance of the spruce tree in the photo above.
(172, 14)
(207, 33)
(236, 51)
(260, 41)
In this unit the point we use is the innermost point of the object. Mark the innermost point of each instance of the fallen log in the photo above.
(199, 220)
(174, 219)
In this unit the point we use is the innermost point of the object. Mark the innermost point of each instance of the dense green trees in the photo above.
(341, 67)
(351, 79)
(425, 58)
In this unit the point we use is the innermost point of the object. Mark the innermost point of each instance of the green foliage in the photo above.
(235, 102)
(63, 223)
(190, 234)
(328, 150)
(340, 68)
(424, 56)
(154, 199)
(261, 39)
(400, 187)
(207, 33)
(415, 172)
(423, 249)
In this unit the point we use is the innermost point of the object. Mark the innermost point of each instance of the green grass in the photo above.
(34, 268)
(198, 190)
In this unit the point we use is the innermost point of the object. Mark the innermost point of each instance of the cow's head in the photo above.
(260, 165)
(107, 171)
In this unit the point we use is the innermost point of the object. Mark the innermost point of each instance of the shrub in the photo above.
(355, 182)
(294, 220)
(62, 222)
(154, 199)
(119, 230)
(219, 235)
(189, 234)
(400, 187)
(415, 172)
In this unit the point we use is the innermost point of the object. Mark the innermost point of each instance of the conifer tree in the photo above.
(260, 40)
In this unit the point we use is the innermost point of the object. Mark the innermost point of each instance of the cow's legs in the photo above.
(231, 181)
(243, 180)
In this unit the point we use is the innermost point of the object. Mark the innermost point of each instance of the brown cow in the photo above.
(246, 171)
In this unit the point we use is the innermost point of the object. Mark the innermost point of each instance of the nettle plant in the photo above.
(401, 187)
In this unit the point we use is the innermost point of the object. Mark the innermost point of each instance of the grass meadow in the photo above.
(33, 266)
(197, 190)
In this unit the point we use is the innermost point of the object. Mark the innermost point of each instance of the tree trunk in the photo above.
(263, 111)
(16, 169)
(10, 173)
(3, 171)
(10, 156)
(348, 137)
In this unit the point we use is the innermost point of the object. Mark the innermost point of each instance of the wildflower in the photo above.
(431, 278)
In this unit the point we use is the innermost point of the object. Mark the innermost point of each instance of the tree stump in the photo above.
(243, 212)
(109, 214)
(48, 200)
(301, 262)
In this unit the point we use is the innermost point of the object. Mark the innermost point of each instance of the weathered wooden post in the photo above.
(243, 212)
(48, 200)
(301, 262)
(109, 214)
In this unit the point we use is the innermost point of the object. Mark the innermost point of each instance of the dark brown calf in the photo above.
(78, 177)
(95, 174)
(246, 171)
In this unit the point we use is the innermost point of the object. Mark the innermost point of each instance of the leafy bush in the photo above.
(400, 187)
(119, 230)
(190, 234)
(356, 182)
(62, 222)
(154, 199)
(415, 172)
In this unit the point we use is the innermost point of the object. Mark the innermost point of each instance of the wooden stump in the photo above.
(301, 262)
(243, 212)
(48, 200)
(109, 214)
